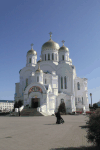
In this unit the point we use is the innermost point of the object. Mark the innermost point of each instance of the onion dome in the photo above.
(32, 51)
(38, 70)
(63, 48)
(49, 45)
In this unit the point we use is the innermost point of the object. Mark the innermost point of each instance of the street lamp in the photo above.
(91, 98)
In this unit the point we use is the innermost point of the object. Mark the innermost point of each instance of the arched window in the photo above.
(48, 56)
(37, 78)
(62, 100)
(52, 56)
(61, 82)
(65, 82)
(45, 56)
(26, 82)
(29, 60)
(78, 85)
(45, 81)
(62, 57)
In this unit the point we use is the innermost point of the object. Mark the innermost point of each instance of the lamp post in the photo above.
(91, 98)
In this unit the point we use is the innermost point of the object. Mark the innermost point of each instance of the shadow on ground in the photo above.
(78, 148)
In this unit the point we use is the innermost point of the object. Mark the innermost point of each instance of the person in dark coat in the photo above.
(59, 118)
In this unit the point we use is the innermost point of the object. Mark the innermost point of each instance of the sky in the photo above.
(23, 22)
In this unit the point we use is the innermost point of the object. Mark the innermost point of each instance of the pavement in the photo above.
(42, 133)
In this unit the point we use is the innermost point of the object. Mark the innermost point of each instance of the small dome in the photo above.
(64, 48)
(32, 51)
(50, 45)
(38, 70)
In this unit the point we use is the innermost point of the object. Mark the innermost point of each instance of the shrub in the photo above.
(95, 106)
(93, 131)
(16, 105)
(20, 103)
(62, 108)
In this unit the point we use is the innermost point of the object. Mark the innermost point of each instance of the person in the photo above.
(59, 118)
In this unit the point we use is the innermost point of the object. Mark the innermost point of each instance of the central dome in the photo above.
(50, 45)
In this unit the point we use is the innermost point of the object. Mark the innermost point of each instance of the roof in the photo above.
(9, 101)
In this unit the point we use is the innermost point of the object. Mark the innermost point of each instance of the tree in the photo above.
(62, 108)
(16, 104)
(20, 103)
(93, 131)
(95, 105)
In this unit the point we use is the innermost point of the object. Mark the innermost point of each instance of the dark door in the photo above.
(35, 102)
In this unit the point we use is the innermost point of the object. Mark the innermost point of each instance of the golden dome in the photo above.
(63, 48)
(38, 70)
(50, 45)
(32, 51)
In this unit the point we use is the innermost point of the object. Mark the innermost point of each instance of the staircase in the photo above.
(29, 112)
(79, 109)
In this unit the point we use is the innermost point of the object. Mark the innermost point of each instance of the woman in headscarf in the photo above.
(59, 118)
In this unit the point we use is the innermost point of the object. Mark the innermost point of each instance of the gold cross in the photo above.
(63, 42)
(32, 46)
(50, 35)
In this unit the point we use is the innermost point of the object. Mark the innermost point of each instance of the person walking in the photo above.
(59, 118)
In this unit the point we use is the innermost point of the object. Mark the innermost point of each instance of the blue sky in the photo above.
(23, 22)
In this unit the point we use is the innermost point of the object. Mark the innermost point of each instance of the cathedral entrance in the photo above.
(35, 102)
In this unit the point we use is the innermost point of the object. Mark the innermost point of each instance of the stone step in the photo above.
(30, 112)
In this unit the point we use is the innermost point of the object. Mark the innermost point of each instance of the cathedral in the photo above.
(52, 80)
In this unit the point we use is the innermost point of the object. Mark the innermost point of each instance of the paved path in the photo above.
(41, 133)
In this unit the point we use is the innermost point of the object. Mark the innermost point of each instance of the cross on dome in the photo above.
(32, 46)
(63, 42)
(50, 35)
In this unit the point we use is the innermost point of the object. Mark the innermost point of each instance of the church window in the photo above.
(62, 57)
(26, 82)
(30, 60)
(48, 56)
(45, 56)
(61, 82)
(65, 82)
(52, 56)
(78, 86)
(62, 100)
(45, 81)
(82, 100)
(37, 78)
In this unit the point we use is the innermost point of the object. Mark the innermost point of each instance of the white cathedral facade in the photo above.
(52, 80)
